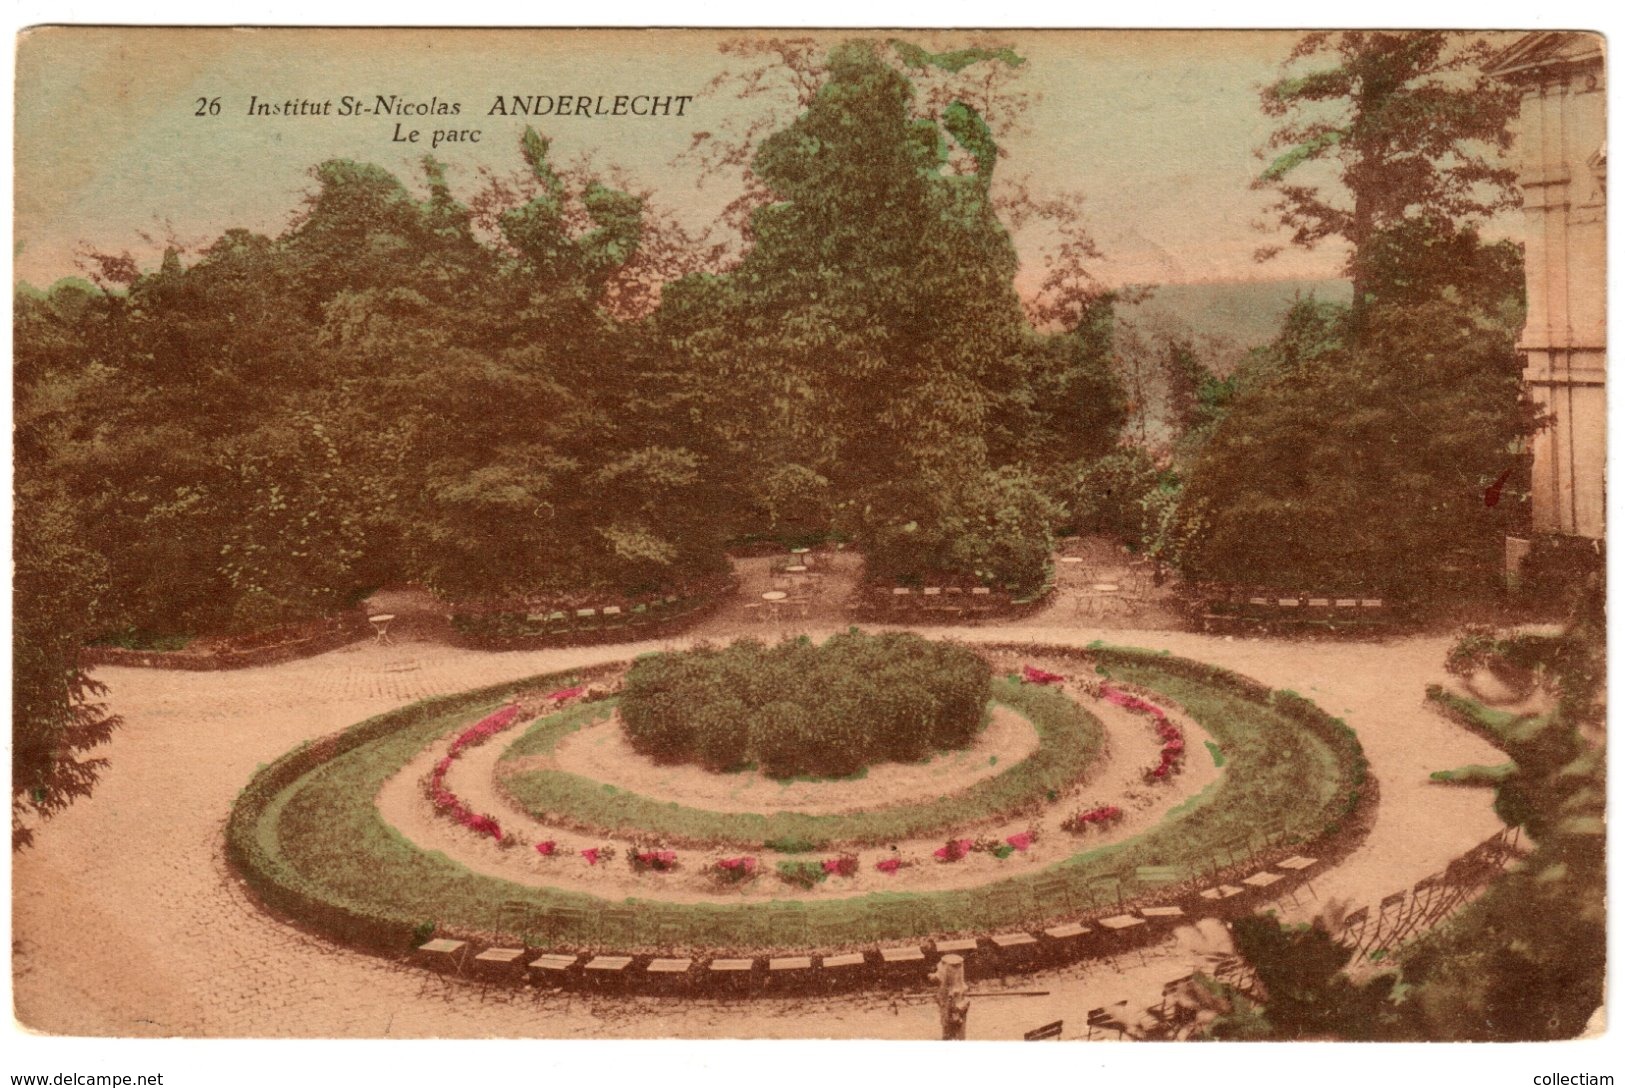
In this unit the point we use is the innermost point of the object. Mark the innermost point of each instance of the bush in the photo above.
(1107, 495)
(996, 527)
(804, 709)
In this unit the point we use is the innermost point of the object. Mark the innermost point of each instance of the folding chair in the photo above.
(520, 923)
(1354, 926)
(568, 925)
(1054, 894)
(618, 925)
(444, 961)
(1102, 1018)
(788, 925)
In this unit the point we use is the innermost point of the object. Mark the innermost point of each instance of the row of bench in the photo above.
(644, 619)
(1295, 609)
(998, 953)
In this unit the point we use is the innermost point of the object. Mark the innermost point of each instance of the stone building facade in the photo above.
(1561, 141)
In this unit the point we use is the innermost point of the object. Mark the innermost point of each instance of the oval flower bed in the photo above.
(306, 836)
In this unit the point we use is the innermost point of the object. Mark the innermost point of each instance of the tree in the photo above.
(777, 79)
(1366, 465)
(1401, 124)
(1306, 993)
(869, 352)
(1526, 961)
(56, 717)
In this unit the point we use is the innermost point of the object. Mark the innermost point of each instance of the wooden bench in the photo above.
(1236, 606)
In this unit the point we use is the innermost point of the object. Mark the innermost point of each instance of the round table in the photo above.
(380, 626)
(796, 569)
(799, 551)
(775, 595)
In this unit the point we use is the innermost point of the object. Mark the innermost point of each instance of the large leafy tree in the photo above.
(1380, 127)
(1371, 449)
(870, 350)
(1373, 464)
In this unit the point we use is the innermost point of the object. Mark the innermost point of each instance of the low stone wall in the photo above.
(266, 647)
(513, 629)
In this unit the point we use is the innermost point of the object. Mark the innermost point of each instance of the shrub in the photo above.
(799, 708)
(803, 874)
(1107, 496)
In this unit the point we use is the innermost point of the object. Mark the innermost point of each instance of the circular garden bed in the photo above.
(308, 835)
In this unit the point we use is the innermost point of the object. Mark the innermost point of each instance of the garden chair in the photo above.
(1051, 1030)
(444, 961)
(1235, 972)
(1105, 892)
(1104, 1018)
(830, 928)
(1431, 899)
(1386, 924)
(520, 923)
(499, 966)
(1354, 925)
(618, 925)
(1054, 894)
(788, 925)
(568, 926)
(584, 620)
(1168, 1016)
(1160, 876)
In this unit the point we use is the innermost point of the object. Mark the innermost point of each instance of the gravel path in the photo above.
(126, 922)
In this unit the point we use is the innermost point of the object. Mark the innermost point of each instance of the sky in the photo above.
(1156, 128)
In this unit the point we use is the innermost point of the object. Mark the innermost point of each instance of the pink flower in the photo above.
(953, 850)
(1040, 676)
(1021, 841)
(889, 865)
(846, 865)
(564, 695)
(591, 854)
(547, 849)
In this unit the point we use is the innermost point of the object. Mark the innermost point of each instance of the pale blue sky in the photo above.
(1157, 128)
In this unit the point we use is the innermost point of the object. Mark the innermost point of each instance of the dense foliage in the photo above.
(537, 393)
(1378, 448)
(1407, 123)
(1526, 960)
(869, 361)
(800, 708)
(1367, 462)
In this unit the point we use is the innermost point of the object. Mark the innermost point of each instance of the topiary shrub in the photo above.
(799, 708)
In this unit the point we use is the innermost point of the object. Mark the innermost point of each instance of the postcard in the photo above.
(1068, 536)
